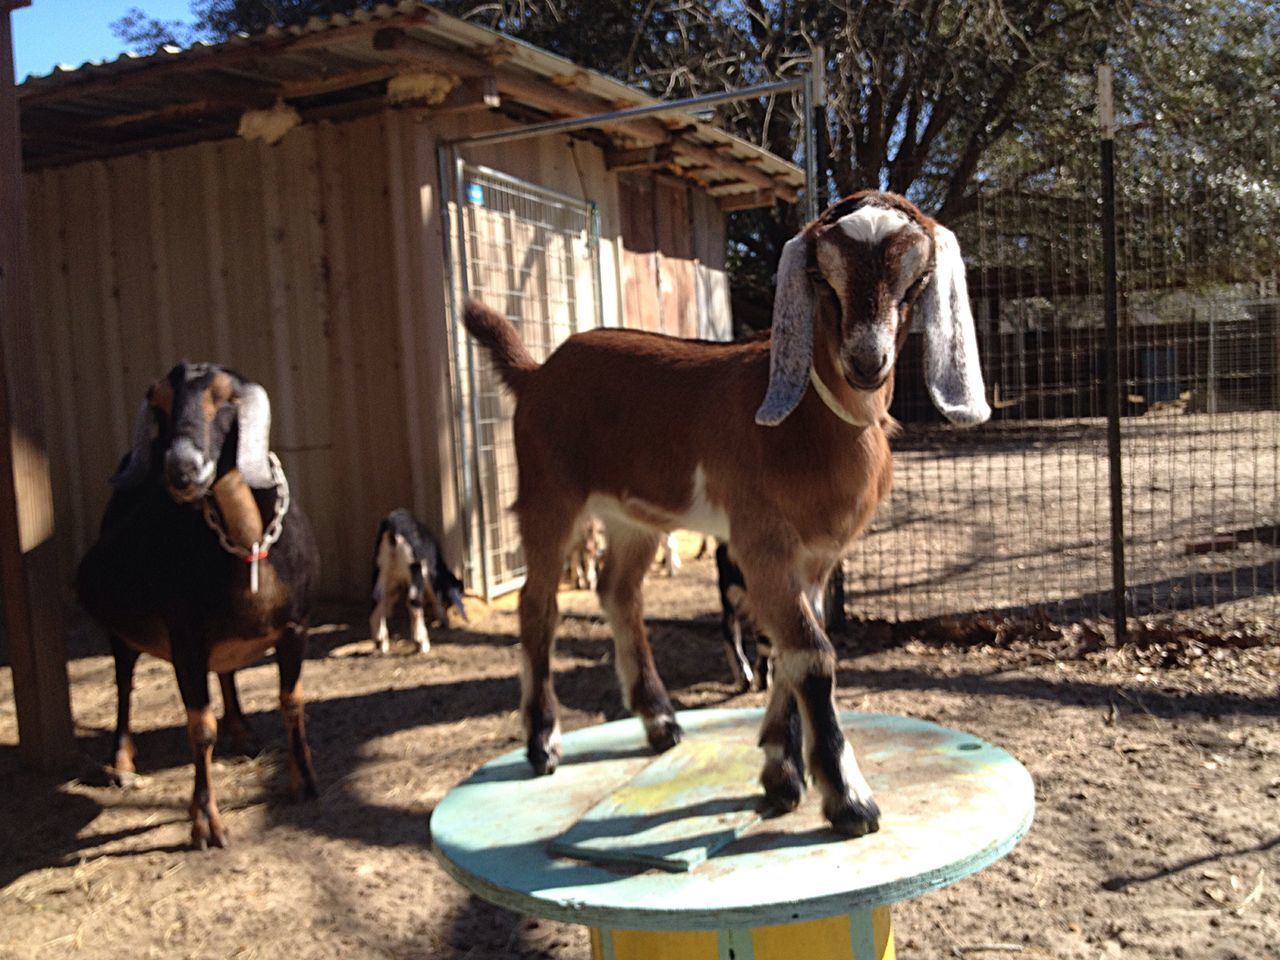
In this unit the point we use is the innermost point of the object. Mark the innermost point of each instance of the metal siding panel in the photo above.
(403, 266)
(67, 427)
(182, 276)
(308, 307)
(211, 170)
(130, 212)
(97, 454)
(117, 406)
(243, 229)
(43, 230)
(280, 347)
(372, 361)
(343, 397)
(159, 259)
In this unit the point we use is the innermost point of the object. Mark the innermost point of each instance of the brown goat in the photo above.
(790, 482)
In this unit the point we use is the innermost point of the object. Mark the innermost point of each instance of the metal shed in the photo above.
(274, 202)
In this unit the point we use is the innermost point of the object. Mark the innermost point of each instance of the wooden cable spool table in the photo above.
(667, 857)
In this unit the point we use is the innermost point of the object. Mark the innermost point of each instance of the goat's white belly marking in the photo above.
(700, 514)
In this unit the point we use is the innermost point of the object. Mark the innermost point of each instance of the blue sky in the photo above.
(50, 32)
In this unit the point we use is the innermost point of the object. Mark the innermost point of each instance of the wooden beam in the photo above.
(748, 201)
(394, 39)
(317, 86)
(167, 114)
(32, 584)
(656, 157)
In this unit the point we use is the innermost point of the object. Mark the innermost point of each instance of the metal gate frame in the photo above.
(480, 461)
(809, 85)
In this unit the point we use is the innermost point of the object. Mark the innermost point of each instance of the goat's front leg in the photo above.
(804, 664)
(243, 740)
(378, 619)
(120, 769)
(630, 553)
(291, 650)
(190, 663)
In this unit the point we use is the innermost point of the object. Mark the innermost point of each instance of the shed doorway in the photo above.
(534, 254)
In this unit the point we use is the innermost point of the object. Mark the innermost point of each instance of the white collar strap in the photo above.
(830, 400)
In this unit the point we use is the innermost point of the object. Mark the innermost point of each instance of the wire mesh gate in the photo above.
(532, 254)
(1015, 515)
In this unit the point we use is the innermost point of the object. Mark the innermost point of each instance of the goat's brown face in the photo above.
(194, 407)
(870, 265)
(849, 283)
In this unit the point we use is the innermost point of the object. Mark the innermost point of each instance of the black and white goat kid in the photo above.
(204, 560)
(735, 619)
(408, 564)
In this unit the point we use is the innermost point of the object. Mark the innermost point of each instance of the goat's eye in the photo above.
(913, 291)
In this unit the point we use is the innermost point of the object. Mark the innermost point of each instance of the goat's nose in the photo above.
(869, 368)
(185, 468)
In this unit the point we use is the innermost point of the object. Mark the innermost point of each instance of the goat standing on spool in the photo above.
(790, 482)
(203, 560)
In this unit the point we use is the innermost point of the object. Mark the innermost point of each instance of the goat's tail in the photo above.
(495, 332)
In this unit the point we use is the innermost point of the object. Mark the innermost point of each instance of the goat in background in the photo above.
(408, 565)
(790, 481)
(204, 560)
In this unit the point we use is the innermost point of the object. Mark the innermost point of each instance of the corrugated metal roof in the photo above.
(339, 66)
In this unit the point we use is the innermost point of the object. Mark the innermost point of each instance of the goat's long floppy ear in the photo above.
(135, 467)
(254, 421)
(952, 371)
(791, 342)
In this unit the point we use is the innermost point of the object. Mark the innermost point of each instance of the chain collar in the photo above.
(274, 529)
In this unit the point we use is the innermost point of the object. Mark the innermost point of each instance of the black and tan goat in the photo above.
(204, 560)
(735, 620)
(652, 433)
(408, 565)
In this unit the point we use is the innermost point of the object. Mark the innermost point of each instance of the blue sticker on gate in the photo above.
(475, 194)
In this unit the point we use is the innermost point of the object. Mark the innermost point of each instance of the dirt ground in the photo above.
(1157, 771)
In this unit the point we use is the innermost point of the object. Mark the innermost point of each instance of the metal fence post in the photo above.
(1107, 121)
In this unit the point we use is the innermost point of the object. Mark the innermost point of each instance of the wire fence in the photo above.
(1016, 515)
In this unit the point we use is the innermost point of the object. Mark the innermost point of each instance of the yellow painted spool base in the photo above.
(862, 935)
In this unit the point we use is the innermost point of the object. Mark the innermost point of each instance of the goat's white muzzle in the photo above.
(188, 473)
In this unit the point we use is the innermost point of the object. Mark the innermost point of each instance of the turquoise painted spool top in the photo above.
(619, 837)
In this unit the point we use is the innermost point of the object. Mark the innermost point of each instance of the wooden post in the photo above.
(33, 590)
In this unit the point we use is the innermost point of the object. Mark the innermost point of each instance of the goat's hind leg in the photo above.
(631, 550)
(243, 739)
(120, 769)
(545, 532)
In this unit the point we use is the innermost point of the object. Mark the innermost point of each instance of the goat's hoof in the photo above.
(203, 836)
(663, 733)
(852, 817)
(544, 760)
(124, 779)
(783, 787)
